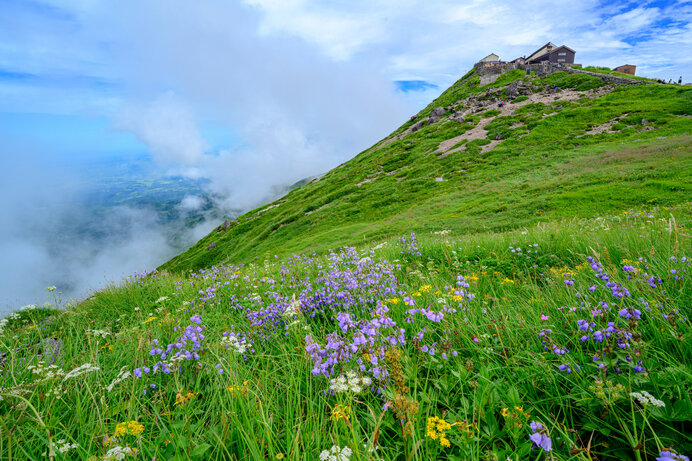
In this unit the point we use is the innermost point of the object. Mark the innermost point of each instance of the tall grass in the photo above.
(487, 369)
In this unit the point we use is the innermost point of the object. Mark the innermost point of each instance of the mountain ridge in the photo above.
(470, 136)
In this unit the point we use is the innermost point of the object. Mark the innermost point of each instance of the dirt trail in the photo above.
(478, 131)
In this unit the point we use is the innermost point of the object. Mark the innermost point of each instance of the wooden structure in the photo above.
(553, 54)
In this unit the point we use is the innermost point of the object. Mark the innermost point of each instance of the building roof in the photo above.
(540, 52)
(491, 57)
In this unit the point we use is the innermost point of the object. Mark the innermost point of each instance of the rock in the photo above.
(513, 89)
(418, 125)
(435, 114)
(644, 121)
(413, 118)
(458, 117)
(498, 137)
(211, 246)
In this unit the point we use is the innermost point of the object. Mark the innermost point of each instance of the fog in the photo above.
(52, 236)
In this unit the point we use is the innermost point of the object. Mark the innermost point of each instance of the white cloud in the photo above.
(168, 126)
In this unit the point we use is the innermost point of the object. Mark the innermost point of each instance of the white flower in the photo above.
(117, 453)
(647, 399)
(233, 342)
(351, 382)
(28, 307)
(161, 299)
(99, 333)
(336, 454)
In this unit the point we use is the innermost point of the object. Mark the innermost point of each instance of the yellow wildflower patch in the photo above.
(341, 412)
(128, 428)
(150, 319)
(393, 301)
(425, 288)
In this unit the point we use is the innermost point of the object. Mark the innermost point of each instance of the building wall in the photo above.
(562, 56)
(626, 69)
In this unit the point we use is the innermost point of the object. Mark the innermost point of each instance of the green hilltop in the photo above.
(562, 145)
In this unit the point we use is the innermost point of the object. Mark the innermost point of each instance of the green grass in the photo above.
(270, 405)
(517, 222)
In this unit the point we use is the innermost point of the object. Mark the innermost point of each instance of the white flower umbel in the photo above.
(99, 333)
(647, 399)
(28, 307)
(349, 383)
(161, 299)
(45, 373)
(117, 453)
(336, 454)
(86, 368)
(233, 342)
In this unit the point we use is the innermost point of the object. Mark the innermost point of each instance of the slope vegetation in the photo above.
(562, 145)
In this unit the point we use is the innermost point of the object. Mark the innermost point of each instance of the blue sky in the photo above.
(77, 75)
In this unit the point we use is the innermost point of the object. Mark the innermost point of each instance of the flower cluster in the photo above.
(645, 398)
(540, 436)
(336, 453)
(341, 412)
(349, 383)
(182, 399)
(436, 429)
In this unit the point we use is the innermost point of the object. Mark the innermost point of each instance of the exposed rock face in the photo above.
(435, 114)
(211, 246)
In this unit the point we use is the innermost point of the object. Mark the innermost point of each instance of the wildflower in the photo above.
(341, 412)
(161, 299)
(544, 317)
(645, 398)
(128, 428)
(669, 455)
(182, 399)
(119, 453)
(436, 429)
(540, 436)
(336, 454)
(150, 319)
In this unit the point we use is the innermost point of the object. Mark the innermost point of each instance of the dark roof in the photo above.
(563, 46)
(539, 49)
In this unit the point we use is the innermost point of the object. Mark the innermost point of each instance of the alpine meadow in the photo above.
(504, 277)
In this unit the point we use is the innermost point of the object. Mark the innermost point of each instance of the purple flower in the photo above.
(667, 455)
(540, 436)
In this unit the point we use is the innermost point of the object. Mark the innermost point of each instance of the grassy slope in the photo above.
(545, 168)
(498, 373)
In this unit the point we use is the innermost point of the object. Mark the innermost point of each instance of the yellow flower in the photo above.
(150, 319)
(239, 389)
(181, 399)
(340, 412)
(393, 301)
(444, 442)
(125, 428)
(417, 294)
(424, 288)
(279, 456)
(508, 280)
(504, 412)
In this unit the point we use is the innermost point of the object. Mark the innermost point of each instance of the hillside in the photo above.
(518, 288)
(562, 145)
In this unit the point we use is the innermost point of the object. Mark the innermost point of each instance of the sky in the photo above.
(253, 95)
